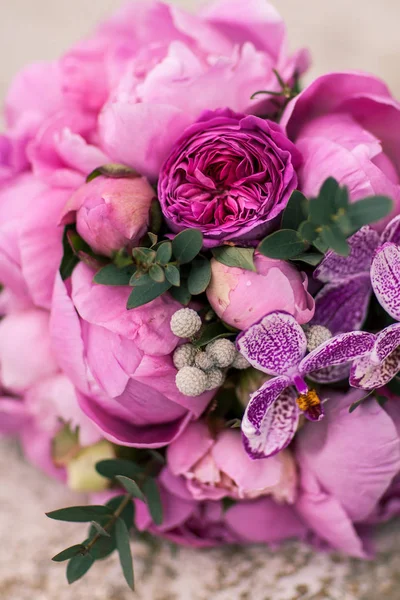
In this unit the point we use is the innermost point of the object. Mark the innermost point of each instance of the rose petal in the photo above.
(270, 420)
(385, 278)
(335, 268)
(339, 349)
(342, 306)
(274, 345)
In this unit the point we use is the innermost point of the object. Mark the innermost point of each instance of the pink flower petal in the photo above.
(385, 278)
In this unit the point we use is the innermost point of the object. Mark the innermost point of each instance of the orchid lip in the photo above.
(300, 384)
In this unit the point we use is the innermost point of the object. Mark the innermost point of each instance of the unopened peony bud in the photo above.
(111, 214)
(81, 473)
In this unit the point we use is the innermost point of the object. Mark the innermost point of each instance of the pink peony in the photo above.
(120, 361)
(110, 213)
(347, 465)
(240, 297)
(347, 126)
(229, 175)
(216, 468)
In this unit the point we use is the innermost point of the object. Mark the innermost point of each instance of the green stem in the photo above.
(118, 512)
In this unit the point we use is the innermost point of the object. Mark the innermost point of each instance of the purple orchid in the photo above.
(342, 303)
(385, 278)
(277, 346)
(379, 366)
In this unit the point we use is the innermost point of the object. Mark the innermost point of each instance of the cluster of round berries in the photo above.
(201, 370)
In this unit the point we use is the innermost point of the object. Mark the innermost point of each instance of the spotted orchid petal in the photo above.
(335, 268)
(271, 419)
(274, 345)
(385, 278)
(340, 349)
(382, 364)
(331, 374)
(391, 232)
(343, 306)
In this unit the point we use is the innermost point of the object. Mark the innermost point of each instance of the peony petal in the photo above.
(335, 268)
(271, 418)
(13, 415)
(343, 306)
(385, 278)
(274, 345)
(339, 349)
(189, 448)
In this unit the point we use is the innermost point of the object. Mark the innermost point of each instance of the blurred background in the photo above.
(341, 35)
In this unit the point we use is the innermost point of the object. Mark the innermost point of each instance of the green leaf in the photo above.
(231, 256)
(143, 294)
(156, 216)
(164, 253)
(128, 512)
(173, 275)
(152, 494)
(181, 293)
(283, 244)
(153, 238)
(310, 258)
(69, 553)
(114, 170)
(100, 530)
(78, 514)
(308, 231)
(104, 546)
(112, 467)
(369, 210)
(342, 198)
(74, 248)
(157, 273)
(112, 275)
(200, 276)
(139, 278)
(124, 552)
(78, 566)
(144, 256)
(186, 245)
(355, 405)
(334, 238)
(211, 332)
(294, 212)
(130, 486)
(322, 209)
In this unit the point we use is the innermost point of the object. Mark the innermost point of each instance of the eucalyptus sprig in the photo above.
(168, 265)
(310, 228)
(111, 523)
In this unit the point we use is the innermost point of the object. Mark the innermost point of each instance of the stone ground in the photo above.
(341, 35)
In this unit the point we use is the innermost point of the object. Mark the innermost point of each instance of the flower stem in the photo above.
(117, 513)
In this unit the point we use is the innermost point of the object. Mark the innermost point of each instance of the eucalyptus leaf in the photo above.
(100, 530)
(310, 258)
(112, 467)
(69, 259)
(369, 210)
(139, 278)
(186, 245)
(153, 499)
(128, 512)
(69, 553)
(308, 231)
(157, 273)
(181, 293)
(153, 238)
(124, 552)
(131, 486)
(200, 276)
(232, 256)
(143, 294)
(283, 244)
(78, 566)
(294, 212)
(173, 275)
(333, 238)
(112, 275)
(114, 170)
(78, 514)
(164, 253)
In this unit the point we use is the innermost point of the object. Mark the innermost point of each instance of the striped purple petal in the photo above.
(385, 278)
(339, 349)
(271, 419)
(368, 375)
(343, 306)
(274, 345)
(335, 268)
(391, 232)
(387, 341)
(331, 374)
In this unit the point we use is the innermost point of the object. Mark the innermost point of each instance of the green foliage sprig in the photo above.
(110, 523)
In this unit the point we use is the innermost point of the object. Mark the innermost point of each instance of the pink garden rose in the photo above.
(347, 466)
(216, 468)
(229, 175)
(240, 297)
(120, 361)
(204, 524)
(347, 126)
(111, 214)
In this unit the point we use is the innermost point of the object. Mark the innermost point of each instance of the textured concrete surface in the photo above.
(341, 35)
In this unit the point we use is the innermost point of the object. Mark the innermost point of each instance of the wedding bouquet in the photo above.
(201, 285)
